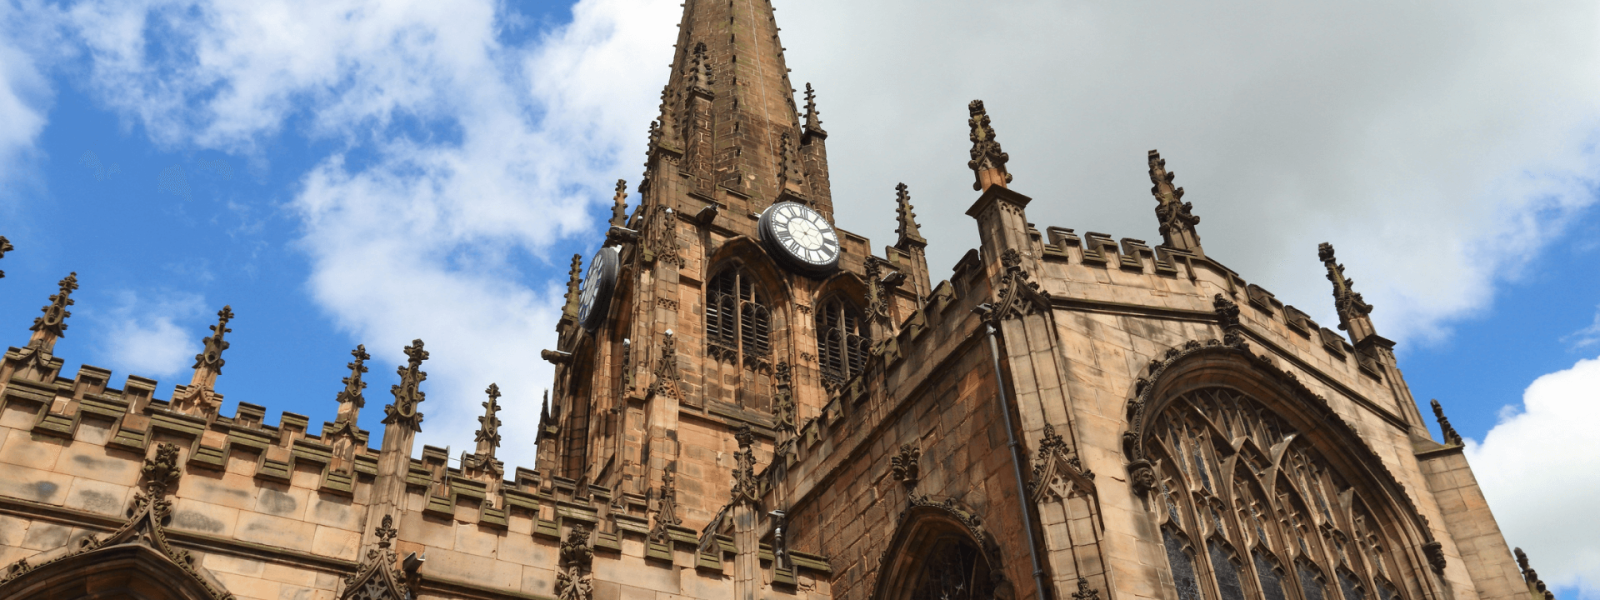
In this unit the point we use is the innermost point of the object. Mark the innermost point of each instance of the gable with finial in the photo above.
(1057, 470)
(375, 579)
(1018, 296)
(666, 371)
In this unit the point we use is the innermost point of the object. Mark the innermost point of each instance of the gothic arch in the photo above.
(750, 256)
(129, 571)
(1268, 488)
(934, 542)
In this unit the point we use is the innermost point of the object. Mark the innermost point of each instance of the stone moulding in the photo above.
(1150, 399)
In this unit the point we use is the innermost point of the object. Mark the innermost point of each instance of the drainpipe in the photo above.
(1016, 457)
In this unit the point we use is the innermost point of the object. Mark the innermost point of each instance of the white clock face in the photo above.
(801, 235)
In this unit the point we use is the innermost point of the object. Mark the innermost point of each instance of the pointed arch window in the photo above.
(738, 322)
(842, 343)
(1217, 453)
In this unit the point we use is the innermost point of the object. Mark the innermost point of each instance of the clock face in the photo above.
(597, 287)
(800, 236)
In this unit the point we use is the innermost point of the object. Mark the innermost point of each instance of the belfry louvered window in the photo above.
(1248, 509)
(842, 342)
(738, 322)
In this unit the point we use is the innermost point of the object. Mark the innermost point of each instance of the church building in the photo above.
(751, 402)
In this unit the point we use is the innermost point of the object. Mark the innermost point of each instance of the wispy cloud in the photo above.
(141, 334)
(1586, 337)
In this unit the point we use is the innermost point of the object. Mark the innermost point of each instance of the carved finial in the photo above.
(488, 437)
(905, 466)
(907, 229)
(544, 409)
(1352, 309)
(783, 406)
(988, 161)
(813, 120)
(5, 246)
(619, 204)
(667, 511)
(745, 486)
(407, 395)
(53, 324)
(569, 313)
(352, 394)
(211, 358)
(1449, 432)
(1085, 591)
(1176, 216)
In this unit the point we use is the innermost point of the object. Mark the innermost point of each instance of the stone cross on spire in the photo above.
(1352, 309)
(619, 205)
(488, 436)
(407, 394)
(53, 325)
(199, 398)
(907, 229)
(1177, 222)
(5, 246)
(813, 120)
(988, 161)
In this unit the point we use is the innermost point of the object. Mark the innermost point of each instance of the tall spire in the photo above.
(5, 246)
(988, 161)
(1352, 309)
(1177, 220)
(907, 229)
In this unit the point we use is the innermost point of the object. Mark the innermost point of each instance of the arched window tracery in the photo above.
(842, 341)
(1272, 520)
(738, 320)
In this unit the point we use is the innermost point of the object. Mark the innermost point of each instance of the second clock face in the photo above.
(801, 236)
(597, 287)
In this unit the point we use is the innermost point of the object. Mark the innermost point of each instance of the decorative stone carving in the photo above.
(791, 177)
(573, 580)
(1450, 436)
(1435, 552)
(906, 229)
(667, 514)
(5, 244)
(1085, 591)
(783, 406)
(905, 466)
(745, 486)
(666, 371)
(619, 205)
(375, 578)
(988, 161)
(1228, 317)
(1177, 220)
(1536, 586)
(199, 398)
(53, 324)
(407, 394)
(569, 311)
(699, 72)
(1346, 301)
(813, 118)
(215, 344)
(1055, 468)
(1018, 296)
(351, 400)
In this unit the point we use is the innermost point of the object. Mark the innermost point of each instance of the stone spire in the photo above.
(988, 161)
(907, 230)
(619, 205)
(1352, 309)
(813, 120)
(53, 325)
(199, 398)
(407, 395)
(1177, 220)
(569, 313)
(5, 246)
(488, 436)
(346, 425)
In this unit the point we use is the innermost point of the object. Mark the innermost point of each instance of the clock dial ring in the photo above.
(595, 297)
(800, 237)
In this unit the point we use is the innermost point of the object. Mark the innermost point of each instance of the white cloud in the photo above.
(25, 94)
(1588, 336)
(141, 335)
(1538, 467)
(1437, 149)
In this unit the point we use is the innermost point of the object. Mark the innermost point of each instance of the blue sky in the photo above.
(346, 172)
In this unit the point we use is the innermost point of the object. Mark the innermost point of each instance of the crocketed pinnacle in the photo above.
(1352, 309)
(488, 436)
(570, 311)
(54, 322)
(5, 246)
(352, 394)
(699, 77)
(988, 160)
(407, 394)
(906, 228)
(1445, 429)
(813, 120)
(619, 205)
(1176, 216)
(793, 178)
(211, 358)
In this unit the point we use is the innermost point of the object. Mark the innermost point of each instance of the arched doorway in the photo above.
(940, 551)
